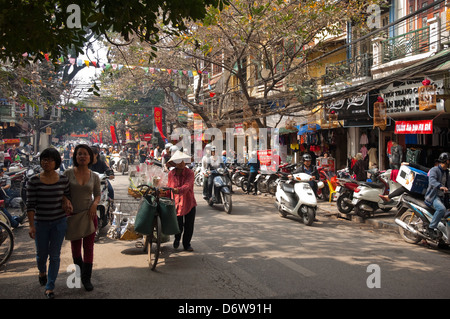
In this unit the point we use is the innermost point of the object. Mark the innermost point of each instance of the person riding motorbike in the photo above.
(310, 169)
(436, 195)
(214, 163)
(205, 163)
(165, 155)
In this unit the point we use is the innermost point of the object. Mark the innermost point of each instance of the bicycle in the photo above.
(6, 242)
(152, 243)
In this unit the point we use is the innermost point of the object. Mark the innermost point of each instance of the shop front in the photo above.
(359, 136)
(421, 134)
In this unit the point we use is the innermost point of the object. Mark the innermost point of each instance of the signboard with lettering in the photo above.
(414, 127)
(403, 97)
(356, 107)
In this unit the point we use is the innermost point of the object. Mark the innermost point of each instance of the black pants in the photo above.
(186, 226)
(251, 180)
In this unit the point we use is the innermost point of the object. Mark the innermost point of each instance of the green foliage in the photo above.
(40, 27)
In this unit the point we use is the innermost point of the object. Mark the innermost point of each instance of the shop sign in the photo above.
(414, 127)
(11, 140)
(401, 97)
(355, 107)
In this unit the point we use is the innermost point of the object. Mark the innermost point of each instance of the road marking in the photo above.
(296, 267)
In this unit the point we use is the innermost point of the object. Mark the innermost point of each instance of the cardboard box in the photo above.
(412, 179)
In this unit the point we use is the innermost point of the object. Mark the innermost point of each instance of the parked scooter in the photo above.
(366, 199)
(296, 197)
(344, 191)
(413, 218)
(221, 191)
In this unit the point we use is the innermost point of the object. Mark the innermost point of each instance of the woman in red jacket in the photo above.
(181, 179)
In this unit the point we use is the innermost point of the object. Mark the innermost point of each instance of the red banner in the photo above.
(158, 121)
(113, 134)
(414, 127)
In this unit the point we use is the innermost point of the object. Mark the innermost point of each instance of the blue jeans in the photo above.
(14, 220)
(439, 206)
(49, 239)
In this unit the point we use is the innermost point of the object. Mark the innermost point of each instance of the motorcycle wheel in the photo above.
(273, 187)
(412, 220)
(325, 192)
(309, 216)
(227, 204)
(361, 212)
(246, 187)
(342, 206)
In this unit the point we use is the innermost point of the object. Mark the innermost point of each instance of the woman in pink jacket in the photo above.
(181, 179)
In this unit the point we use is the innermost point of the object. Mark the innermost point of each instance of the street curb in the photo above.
(374, 222)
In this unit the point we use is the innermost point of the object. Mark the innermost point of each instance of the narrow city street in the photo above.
(251, 253)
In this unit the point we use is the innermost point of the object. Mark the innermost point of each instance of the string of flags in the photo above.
(83, 109)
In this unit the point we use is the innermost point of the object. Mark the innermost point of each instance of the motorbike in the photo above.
(104, 209)
(221, 192)
(366, 199)
(31, 171)
(266, 183)
(122, 165)
(414, 216)
(344, 191)
(296, 197)
(240, 175)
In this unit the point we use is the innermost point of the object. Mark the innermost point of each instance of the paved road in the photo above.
(251, 253)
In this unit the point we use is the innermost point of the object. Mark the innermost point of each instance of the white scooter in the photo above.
(366, 199)
(296, 197)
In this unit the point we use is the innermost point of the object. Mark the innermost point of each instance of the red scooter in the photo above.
(344, 192)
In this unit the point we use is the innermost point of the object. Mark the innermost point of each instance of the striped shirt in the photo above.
(46, 199)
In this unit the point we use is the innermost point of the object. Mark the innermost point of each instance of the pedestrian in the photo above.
(254, 165)
(85, 195)
(47, 204)
(181, 179)
(360, 168)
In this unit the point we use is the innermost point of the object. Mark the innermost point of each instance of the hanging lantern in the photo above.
(379, 114)
(427, 96)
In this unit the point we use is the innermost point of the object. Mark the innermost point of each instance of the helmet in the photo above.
(224, 153)
(168, 145)
(307, 157)
(444, 157)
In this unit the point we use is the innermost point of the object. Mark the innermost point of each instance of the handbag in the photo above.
(143, 223)
(79, 226)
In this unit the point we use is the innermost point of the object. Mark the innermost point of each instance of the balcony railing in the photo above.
(408, 44)
(349, 69)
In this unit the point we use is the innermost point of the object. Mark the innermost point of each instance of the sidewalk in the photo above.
(380, 220)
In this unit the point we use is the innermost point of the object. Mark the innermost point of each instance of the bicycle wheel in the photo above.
(4, 218)
(6, 243)
(154, 243)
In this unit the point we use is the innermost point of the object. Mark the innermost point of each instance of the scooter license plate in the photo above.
(354, 201)
(338, 188)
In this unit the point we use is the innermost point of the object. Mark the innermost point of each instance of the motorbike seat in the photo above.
(288, 188)
(418, 202)
(372, 184)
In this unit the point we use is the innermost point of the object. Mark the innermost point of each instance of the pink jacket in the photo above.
(184, 200)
